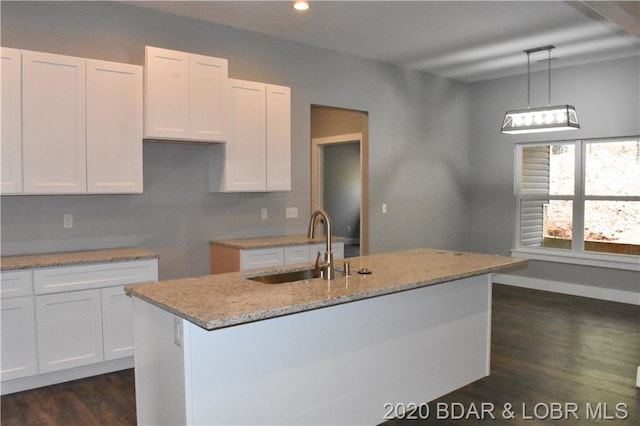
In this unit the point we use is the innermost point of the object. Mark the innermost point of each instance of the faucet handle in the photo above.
(317, 264)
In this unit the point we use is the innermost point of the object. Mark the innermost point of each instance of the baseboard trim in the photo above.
(608, 294)
(47, 379)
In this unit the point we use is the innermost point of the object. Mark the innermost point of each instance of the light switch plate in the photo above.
(291, 212)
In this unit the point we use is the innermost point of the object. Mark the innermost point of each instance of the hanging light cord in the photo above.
(549, 67)
(548, 48)
(528, 79)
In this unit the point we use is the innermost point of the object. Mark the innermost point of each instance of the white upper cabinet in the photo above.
(53, 123)
(114, 127)
(278, 138)
(70, 125)
(11, 180)
(257, 156)
(184, 96)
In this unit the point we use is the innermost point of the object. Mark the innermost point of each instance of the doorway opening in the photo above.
(339, 173)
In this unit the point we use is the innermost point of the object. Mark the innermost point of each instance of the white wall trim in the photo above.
(55, 377)
(569, 288)
(604, 260)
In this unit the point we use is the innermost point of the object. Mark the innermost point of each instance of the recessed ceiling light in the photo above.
(301, 6)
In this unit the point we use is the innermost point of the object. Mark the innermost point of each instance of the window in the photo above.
(579, 201)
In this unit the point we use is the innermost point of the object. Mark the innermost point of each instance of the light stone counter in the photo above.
(218, 301)
(265, 242)
(47, 260)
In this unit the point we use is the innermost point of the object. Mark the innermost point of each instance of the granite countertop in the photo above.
(265, 242)
(71, 258)
(217, 301)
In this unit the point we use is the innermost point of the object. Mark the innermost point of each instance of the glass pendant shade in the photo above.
(544, 119)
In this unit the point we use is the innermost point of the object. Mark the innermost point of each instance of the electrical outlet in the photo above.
(67, 220)
(177, 331)
(263, 214)
(384, 207)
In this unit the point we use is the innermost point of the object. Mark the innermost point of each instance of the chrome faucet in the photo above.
(326, 267)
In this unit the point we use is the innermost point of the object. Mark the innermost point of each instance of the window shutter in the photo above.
(535, 181)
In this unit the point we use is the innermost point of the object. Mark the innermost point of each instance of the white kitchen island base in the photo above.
(343, 364)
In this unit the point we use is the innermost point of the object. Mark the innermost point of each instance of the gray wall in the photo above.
(418, 136)
(607, 99)
(342, 188)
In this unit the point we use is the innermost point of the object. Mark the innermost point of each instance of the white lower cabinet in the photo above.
(289, 255)
(19, 350)
(63, 323)
(69, 329)
(233, 259)
(261, 258)
(296, 254)
(336, 248)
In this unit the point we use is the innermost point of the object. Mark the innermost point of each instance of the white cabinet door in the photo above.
(117, 323)
(166, 98)
(207, 98)
(11, 142)
(261, 258)
(278, 138)
(245, 152)
(114, 127)
(18, 334)
(296, 254)
(54, 126)
(69, 329)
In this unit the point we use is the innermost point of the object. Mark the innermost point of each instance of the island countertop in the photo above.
(218, 301)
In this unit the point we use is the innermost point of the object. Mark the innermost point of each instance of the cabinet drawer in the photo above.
(16, 284)
(84, 277)
(296, 254)
(261, 258)
(336, 248)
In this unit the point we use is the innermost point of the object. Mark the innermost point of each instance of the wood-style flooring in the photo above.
(548, 350)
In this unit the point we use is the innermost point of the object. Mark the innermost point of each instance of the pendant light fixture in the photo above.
(543, 119)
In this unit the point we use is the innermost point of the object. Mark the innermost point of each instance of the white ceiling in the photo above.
(465, 40)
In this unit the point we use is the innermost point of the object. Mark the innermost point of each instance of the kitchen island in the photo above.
(224, 349)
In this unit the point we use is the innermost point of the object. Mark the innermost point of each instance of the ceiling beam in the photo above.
(623, 14)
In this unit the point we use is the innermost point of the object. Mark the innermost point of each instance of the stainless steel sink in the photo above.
(287, 277)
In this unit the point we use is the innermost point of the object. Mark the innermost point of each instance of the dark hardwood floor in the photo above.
(108, 399)
(548, 350)
(579, 354)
